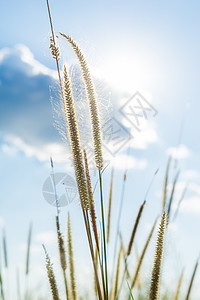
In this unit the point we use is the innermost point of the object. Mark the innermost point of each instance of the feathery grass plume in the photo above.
(91, 95)
(71, 261)
(172, 196)
(116, 284)
(139, 263)
(155, 279)
(61, 246)
(5, 249)
(177, 292)
(91, 201)
(135, 227)
(75, 141)
(51, 276)
(165, 184)
(192, 280)
(28, 249)
(110, 205)
(55, 51)
(62, 255)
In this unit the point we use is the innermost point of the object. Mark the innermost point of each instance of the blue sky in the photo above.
(150, 47)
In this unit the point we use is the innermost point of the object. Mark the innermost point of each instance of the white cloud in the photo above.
(191, 205)
(36, 67)
(179, 152)
(142, 139)
(14, 144)
(3, 53)
(27, 57)
(191, 175)
(46, 237)
(1, 222)
(124, 161)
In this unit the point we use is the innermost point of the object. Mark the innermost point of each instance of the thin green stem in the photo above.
(104, 234)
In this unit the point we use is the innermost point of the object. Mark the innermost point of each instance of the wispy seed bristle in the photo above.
(75, 141)
(91, 95)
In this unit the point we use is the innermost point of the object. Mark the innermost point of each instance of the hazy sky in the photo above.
(147, 46)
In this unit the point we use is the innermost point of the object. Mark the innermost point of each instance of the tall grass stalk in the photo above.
(110, 205)
(177, 292)
(139, 263)
(28, 249)
(130, 245)
(1, 286)
(71, 261)
(155, 279)
(116, 284)
(166, 184)
(192, 280)
(62, 255)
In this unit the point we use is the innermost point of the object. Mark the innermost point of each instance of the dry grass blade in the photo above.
(53, 46)
(139, 263)
(28, 249)
(75, 141)
(51, 276)
(5, 249)
(110, 205)
(71, 261)
(179, 202)
(155, 279)
(177, 292)
(91, 201)
(135, 228)
(192, 280)
(166, 183)
(172, 196)
(91, 95)
(115, 290)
